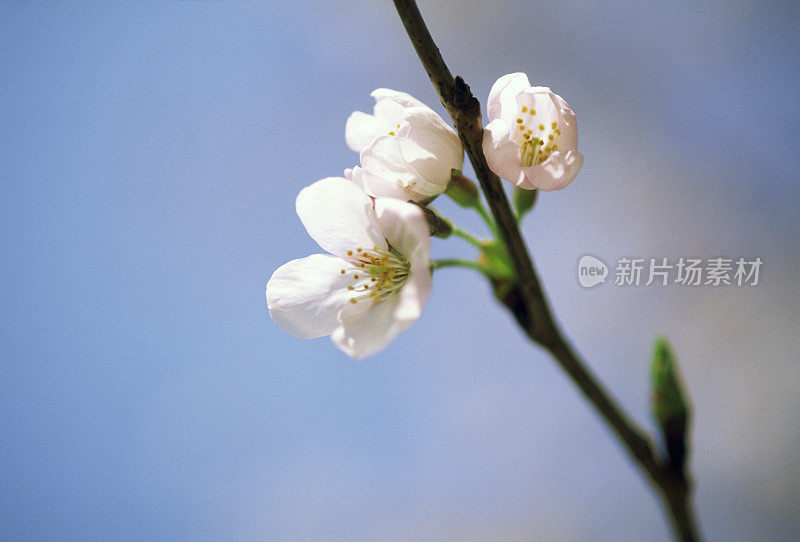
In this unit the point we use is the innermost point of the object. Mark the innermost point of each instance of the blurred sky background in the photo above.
(150, 155)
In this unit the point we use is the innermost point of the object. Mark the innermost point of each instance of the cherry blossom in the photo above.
(532, 139)
(375, 279)
(406, 150)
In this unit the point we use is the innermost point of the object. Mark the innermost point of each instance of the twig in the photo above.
(456, 262)
(526, 299)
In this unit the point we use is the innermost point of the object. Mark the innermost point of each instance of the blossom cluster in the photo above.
(375, 277)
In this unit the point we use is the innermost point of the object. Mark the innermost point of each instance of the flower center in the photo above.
(377, 274)
(536, 140)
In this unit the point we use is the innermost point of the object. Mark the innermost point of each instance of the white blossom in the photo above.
(375, 279)
(532, 139)
(406, 150)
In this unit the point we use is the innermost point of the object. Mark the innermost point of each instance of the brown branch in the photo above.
(525, 297)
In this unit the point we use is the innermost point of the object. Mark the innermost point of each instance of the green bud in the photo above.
(462, 190)
(439, 226)
(670, 408)
(668, 399)
(524, 200)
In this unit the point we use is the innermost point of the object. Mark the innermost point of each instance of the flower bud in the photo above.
(669, 405)
(462, 190)
(440, 227)
(524, 200)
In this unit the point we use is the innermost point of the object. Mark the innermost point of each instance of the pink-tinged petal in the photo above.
(502, 152)
(552, 107)
(404, 226)
(561, 103)
(339, 216)
(568, 140)
(368, 328)
(503, 95)
(362, 128)
(431, 147)
(555, 173)
(402, 98)
(305, 296)
(540, 101)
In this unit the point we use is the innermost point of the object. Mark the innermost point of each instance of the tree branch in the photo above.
(525, 297)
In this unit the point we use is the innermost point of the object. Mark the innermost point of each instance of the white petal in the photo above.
(354, 175)
(362, 128)
(378, 186)
(503, 94)
(390, 112)
(416, 289)
(554, 173)
(431, 147)
(384, 160)
(339, 216)
(365, 332)
(305, 296)
(402, 98)
(502, 151)
(404, 226)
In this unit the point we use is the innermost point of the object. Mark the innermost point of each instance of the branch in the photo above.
(525, 298)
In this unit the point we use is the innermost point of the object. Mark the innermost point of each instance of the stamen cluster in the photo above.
(387, 271)
(535, 149)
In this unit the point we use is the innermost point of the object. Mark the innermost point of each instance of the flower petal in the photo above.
(404, 226)
(377, 186)
(502, 152)
(431, 146)
(569, 125)
(339, 216)
(402, 98)
(406, 229)
(305, 296)
(383, 160)
(503, 94)
(362, 128)
(354, 175)
(363, 332)
(539, 99)
(416, 289)
(554, 173)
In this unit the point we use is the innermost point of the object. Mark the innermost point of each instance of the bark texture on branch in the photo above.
(525, 297)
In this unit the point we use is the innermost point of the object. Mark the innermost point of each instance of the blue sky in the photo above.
(150, 155)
